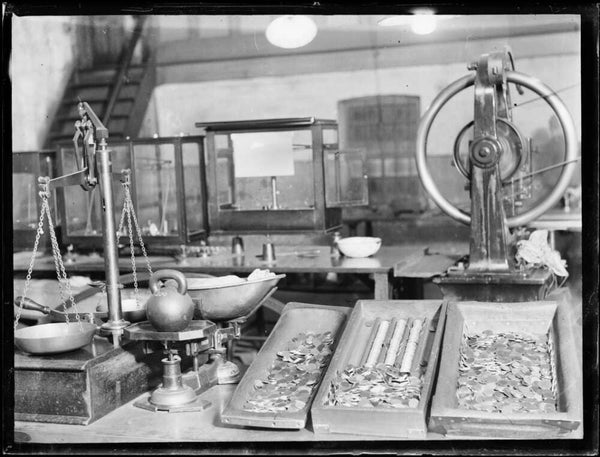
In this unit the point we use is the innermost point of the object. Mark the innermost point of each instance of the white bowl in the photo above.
(359, 246)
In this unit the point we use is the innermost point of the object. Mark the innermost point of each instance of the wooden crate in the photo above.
(81, 386)
(392, 423)
(534, 317)
(295, 318)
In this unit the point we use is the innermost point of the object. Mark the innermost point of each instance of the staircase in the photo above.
(118, 94)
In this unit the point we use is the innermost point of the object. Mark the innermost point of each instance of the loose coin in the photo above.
(505, 372)
(293, 376)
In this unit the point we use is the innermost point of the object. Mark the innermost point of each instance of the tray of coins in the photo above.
(381, 376)
(278, 387)
(508, 370)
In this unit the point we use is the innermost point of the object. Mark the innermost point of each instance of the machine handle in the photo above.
(178, 276)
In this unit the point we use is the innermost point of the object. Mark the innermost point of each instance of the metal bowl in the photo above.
(230, 301)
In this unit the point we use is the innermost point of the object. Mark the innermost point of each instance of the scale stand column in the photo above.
(115, 323)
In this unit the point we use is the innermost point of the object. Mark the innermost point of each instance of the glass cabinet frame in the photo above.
(323, 216)
(183, 234)
(36, 163)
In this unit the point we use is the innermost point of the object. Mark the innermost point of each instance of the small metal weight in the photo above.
(268, 253)
(237, 246)
(170, 309)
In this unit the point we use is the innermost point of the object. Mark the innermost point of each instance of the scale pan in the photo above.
(230, 301)
(54, 338)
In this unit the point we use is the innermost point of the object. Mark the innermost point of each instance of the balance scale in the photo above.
(498, 160)
(203, 341)
(80, 386)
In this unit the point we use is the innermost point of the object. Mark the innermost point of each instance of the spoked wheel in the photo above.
(512, 141)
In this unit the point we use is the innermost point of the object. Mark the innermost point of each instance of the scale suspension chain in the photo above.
(61, 274)
(130, 213)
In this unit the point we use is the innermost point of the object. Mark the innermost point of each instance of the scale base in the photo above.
(196, 405)
(214, 372)
(462, 285)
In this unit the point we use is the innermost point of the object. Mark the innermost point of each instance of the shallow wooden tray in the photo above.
(295, 318)
(393, 423)
(533, 317)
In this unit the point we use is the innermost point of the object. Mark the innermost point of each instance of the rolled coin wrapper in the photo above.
(377, 343)
(369, 345)
(392, 352)
(411, 346)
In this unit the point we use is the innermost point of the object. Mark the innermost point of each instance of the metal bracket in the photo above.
(489, 233)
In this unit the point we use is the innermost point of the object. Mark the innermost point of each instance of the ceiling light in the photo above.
(423, 22)
(291, 31)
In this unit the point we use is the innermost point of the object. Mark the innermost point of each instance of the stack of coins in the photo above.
(293, 376)
(506, 372)
(382, 386)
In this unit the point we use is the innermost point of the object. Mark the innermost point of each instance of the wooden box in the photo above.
(388, 422)
(532, 317)
(296, 318)
(80, 387)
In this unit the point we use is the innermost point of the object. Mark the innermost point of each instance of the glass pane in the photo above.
(225, 182)
(330, 137)
(156, 189)
(25, 210)
(192, 179)
(265, 170)
(345, 183)
(83, 209)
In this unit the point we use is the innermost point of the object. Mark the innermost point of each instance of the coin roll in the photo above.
(377, 343)
(411, 346)
(395, 342)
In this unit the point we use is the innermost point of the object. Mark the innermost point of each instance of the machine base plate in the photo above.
(495, 287)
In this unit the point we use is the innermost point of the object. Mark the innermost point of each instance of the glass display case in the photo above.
(26, 203)
(167, 190)
(279, 175)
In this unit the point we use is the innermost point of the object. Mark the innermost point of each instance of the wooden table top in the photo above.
(289, 259)
(559, 220)
(132, 424)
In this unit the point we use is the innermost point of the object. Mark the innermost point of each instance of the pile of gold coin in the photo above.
(506, 372)
(293, 376)
(381, 386)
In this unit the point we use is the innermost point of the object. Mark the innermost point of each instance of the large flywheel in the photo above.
(507, 140)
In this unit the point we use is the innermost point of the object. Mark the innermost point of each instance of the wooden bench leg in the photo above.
(383, 289)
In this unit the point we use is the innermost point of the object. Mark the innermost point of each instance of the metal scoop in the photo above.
(60, 316)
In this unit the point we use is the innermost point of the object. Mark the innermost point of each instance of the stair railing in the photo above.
(124, 64)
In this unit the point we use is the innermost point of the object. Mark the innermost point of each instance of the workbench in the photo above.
(289, 259)
(130, 424)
